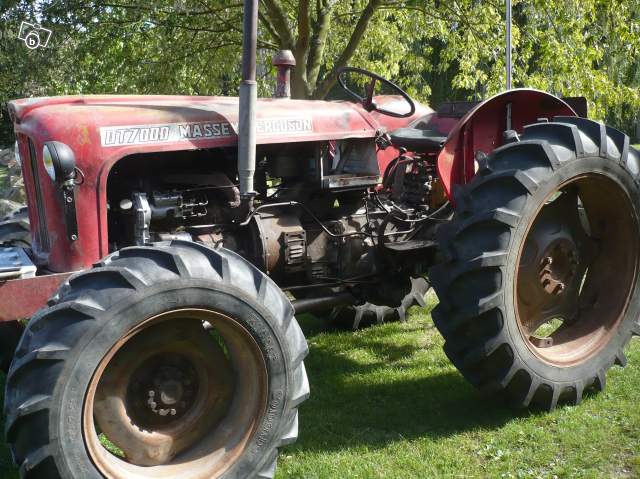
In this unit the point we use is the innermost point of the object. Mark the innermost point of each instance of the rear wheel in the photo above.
(395, 304)
(162, 362)
(14, 230)
(539, 290)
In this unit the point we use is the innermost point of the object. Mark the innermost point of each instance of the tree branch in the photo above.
(304, 27)
(356, 37)
(318, 43)
(266, 23)
(299, 74)
(278, 19)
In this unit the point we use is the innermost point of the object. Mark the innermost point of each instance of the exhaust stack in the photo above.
(248, 102)
(284, 61)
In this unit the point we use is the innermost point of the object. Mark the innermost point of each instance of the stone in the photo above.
(7, 156)
(7, 206)
(13, 187)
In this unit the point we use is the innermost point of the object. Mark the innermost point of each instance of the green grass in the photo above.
(386, 403)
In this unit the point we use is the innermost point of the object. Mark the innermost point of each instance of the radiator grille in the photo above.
(43, 234)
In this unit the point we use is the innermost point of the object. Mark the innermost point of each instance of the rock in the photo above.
(14, 167)
(7, 206)
(16, 194)
(14, 185)
(5, 182)
(7, 156)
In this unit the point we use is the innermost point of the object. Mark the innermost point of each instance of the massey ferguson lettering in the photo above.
(172, 132)
(192, 131)
(271, 126)
(141, 134)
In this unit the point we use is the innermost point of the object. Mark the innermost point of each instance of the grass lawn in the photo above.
(386, 403)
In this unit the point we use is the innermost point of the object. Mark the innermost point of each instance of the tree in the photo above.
(194, 45)
(436, 49)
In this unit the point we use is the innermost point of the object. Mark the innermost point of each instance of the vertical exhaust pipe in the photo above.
(248, 102)
(284, 61)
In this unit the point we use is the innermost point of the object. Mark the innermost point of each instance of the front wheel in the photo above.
(169, 361)
(539, 289)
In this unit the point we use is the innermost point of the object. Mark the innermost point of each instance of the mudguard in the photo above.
(481, 130)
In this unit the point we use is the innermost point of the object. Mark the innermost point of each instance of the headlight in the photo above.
(16, 151)
(59, 161)
(47, 159)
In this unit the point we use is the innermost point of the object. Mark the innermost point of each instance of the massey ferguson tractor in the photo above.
(150, 288)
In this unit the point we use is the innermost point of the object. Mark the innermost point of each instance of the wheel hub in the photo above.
(554, 260)
(169, 391)
(175, 384)
(558, 266)
(575, 269)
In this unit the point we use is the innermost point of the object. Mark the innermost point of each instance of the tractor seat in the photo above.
(415, 139)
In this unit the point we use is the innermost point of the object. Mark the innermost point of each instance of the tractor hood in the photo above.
(101, 130)
(162, 123)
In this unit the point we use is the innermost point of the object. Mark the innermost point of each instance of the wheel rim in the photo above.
(577, 268)
(181, 395)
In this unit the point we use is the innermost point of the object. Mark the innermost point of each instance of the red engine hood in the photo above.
(142, 123)
(103, 129)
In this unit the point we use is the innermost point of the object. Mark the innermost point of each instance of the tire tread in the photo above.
(482, 211)
(85, 295)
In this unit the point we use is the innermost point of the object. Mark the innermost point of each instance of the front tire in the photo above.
(186, 359)
(539, 289)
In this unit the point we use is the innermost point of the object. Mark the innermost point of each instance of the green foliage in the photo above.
(437, 49)
(583, 48)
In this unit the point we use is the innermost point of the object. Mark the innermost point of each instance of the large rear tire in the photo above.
(538, 286)
(14, 229)
(183, 360)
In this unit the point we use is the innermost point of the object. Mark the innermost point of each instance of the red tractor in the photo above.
(172, 240)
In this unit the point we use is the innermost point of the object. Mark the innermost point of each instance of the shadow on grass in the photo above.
(397, 393)
(391, 398)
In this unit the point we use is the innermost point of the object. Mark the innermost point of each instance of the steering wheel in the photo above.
(367, 101)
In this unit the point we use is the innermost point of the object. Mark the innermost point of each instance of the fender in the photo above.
(22, 298)
(481, 130)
